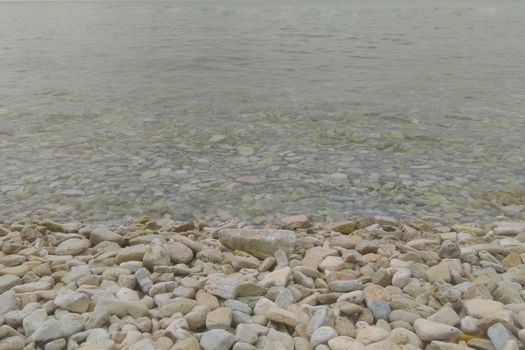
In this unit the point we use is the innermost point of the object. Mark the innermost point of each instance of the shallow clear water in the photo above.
(114, 109)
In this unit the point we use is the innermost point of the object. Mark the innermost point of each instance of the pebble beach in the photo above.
(371, 283)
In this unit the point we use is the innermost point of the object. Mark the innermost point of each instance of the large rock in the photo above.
(72, 246)
(8, 281)
(428, 330)
(72, 301)
(103, 234)
(278, 341)
(261, 243)
(155, 255)
(217, 339)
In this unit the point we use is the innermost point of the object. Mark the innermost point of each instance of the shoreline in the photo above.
(372, 283)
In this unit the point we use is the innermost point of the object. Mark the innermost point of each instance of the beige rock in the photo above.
(282, 316)
(261, 243)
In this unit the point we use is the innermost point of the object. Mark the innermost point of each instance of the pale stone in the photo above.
(261, 243)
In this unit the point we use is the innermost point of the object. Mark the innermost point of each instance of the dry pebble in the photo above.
(372, 283)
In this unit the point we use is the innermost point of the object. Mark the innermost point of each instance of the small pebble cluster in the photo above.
(373, 283)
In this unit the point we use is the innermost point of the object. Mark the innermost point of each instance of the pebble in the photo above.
(351, 285)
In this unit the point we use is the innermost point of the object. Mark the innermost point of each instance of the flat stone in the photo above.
(220, 318)
(294, 222)
(345, 286)
(322, 335)
(480, 308)
(72, 246)
(278, 341)
(261, 243)
(103, 234)
(217, 339)
(429, 330)
(8, 281)
(282, 316)
(345, 343)
(72, 301)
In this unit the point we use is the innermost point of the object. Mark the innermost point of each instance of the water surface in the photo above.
(110, 110)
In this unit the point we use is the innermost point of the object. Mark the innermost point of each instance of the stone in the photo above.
(449, 250)
(345, 343)
(322, 335)
(500, 336)
(261, 243)
(345, 286)
(196, 318)
(295, 222)
(58, 344)
(217, 339)
(190, 343)
(282, 316)
(131, 253)
(429, 330)
(72, 301)
(48, 331)
(479, 308)
(220, 318)
(155, 255)
(370, 334)
(8, 281)
(345, 227)
(445, 315)
(222, 286)
(332, 263)
(277, 277)
(7, 302)
(380, 309)
(103, 234)
(438, 272)
(278, 341)
(72, 246)
(179, 253)
(249, 333)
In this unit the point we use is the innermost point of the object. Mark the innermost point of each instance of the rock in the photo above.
(278, 341)
(428, 330)
(332, 263)
(220, 285)
(370, 334)
(295, 222)
(277, 278)
(344, 227)
(261, 243)
(379, 308)
(249, 333)
(438, 272)
(500, 336)
(196, 318)
(345, 343)
(217, 339)
(345, 286)
(282, 316)
(190, 343)
(58, 344)
(7, 302)
(72, 246)
(72, 301)
(155, 255)
(220, 318)
(103, 234)
(445, 315)
(7, 282)
(48, 331)
(322, 335)
(179, 253)
(480, 308)
(449, 250)
(131, 253)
